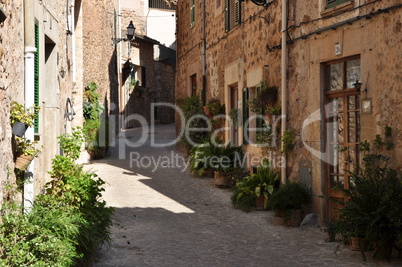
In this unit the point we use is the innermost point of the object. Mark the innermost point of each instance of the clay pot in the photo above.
(259, 203)
(294, 219)
(23, 161)
(220, 179)
(357, 243)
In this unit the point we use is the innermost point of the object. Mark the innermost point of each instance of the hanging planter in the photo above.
(19, 128)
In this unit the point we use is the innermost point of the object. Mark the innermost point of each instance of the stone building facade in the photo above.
(37, 67)
(225, 48)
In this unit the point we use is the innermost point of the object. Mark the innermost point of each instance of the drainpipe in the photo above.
(29, 58)
(204, 59)
(284, 67)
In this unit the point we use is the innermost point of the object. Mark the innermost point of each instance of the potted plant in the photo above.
(25, 151)
(371, 209)
(266, 97)
(290, 200)
(257, 187)
(223, 158)
(330, 229)
(22, 118)
(200, 161)
(213, 108)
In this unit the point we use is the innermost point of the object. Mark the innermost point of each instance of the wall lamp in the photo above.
(130, 34)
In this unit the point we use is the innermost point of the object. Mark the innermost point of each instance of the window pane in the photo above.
(335, 77)
(352, 72)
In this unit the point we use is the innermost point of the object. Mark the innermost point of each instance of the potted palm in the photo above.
(22, 118)
(256, 188)
(26, 151)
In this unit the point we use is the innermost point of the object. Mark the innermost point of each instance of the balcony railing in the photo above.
(160, 4)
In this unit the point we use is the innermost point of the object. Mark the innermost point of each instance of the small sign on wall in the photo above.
(366, 106)
(338, 49)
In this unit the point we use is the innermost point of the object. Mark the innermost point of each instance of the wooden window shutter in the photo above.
(192, 12)
(36, 77)
(237, 12)
(227, 16)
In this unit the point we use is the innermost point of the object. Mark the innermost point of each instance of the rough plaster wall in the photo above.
(11, 82)
(165, 91)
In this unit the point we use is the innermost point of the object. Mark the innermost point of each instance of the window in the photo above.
(232, 14)
(192, 13)
(342, 74)
(36, 77)
(193, 85)
(160, 4)
(332, 3)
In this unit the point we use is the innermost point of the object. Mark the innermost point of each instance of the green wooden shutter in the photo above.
(192, 12)
(227, 16)
(237, 12)
(36, 77)
(246, 116)
(259, 121)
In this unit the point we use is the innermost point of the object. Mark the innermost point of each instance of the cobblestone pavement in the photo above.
(166, 217)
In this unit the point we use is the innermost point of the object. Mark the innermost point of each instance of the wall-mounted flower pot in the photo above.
(19, 128)
(23, 161)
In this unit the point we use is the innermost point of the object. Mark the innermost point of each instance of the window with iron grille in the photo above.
(160, 4)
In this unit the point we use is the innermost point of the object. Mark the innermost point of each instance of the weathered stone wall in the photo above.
(377, 41)
(99, 53)
(11, 83)
(241, 57)
(164, 91)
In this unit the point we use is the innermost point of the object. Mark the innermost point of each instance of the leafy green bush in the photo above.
(67, 222)
(290, 196)
(93, 124)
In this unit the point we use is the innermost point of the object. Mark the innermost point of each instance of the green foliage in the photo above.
(273, 110)
(371, 209)
(67, 222)
(263, 183)
(93, 123)
(290, 196)
(265, 98)
(234, 116)
(215, 107)
(25, 146)
(223, 158)
(288, 141)
(191, 106)
(19, 113)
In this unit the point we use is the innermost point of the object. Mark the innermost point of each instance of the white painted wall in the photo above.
(161, 26)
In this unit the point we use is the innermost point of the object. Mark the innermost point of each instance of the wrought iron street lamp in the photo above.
(130, 34)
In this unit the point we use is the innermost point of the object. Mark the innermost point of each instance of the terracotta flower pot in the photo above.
(206, 111)
(23, 162)
(220, 179)
(294, 218)
(259, 203)
(357, 243)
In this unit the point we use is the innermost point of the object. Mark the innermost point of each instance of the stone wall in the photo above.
(240, 57)
(11, 83)
(99, 53)
(164, 91)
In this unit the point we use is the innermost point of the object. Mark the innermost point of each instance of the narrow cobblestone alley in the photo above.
(166, 217)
